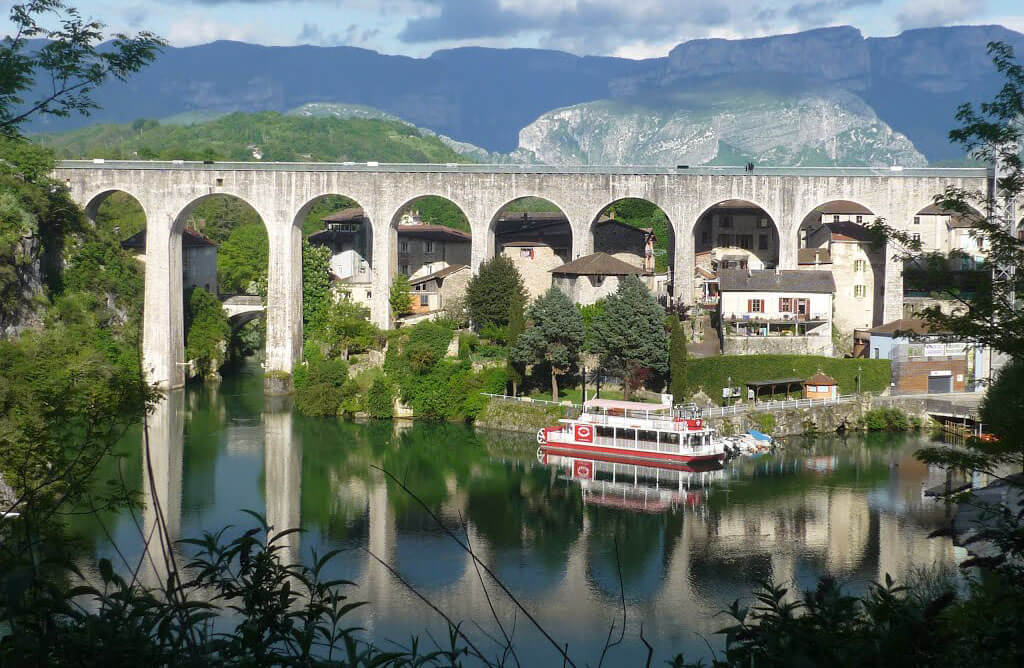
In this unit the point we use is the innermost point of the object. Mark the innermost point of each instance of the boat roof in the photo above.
(617, 404)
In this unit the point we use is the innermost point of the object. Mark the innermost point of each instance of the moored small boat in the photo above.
(636, 432)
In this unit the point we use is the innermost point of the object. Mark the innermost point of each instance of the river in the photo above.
(688, 543)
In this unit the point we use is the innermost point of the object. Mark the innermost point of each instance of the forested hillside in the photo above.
(268, 136)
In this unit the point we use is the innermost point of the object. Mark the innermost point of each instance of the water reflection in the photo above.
(161, 486)
(686, 543)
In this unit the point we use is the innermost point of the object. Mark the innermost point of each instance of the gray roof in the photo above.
(439, 275)
(770, 280)
(598, 264)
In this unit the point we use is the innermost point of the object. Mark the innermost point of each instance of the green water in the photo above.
(687, 543)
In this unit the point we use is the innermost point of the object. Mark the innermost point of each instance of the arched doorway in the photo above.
(535, 234)
(431, 258)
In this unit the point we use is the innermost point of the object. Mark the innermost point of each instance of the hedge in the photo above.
(711, 373)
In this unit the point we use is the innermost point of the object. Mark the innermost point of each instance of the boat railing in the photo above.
(640, 444)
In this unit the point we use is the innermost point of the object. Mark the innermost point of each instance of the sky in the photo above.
(625, 28)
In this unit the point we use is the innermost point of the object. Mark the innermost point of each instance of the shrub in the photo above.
(468, 343)
(321, 386)
(380, 399)
(206, 332)
(765, 422)
(885, 419)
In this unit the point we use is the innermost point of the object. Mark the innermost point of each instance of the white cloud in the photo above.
(196, 29)
(930, 13)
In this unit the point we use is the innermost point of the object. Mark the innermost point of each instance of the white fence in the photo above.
(771, 406)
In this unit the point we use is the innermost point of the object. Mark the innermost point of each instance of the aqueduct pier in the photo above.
(283, 193)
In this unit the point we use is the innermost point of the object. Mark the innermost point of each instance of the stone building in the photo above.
(535, 261)
(424, 248)
(773, 311)
(198, 258)
(592, 277)
(633, 245)
(738, 228)
(857, 262)
(431, 293)
(347, 234)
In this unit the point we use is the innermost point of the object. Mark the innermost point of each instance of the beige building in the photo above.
(198, 258)
(857, 262)
(535, 261)
(347, 234)
(776, 311)
(738, 228)
(592, 277)
(432, 292)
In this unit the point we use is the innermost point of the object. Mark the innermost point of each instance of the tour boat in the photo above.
(636, 432)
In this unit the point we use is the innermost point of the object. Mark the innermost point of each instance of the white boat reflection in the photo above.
(650, 489)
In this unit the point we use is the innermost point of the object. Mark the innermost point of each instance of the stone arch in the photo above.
(96, 200)
(611, 231)
(351, 236)
(444, 240)
(537, 238)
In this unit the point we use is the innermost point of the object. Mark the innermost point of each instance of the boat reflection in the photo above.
(614, 483)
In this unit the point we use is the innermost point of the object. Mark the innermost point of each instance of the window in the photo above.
(859, 265)
(403, 247)
(424, 300)
(403, 269)
(724, 240)
(428, 246)
(705, 236)
(860, 291)
(726, 221)
(785, 305)
(916, 237)
(598, 280)
(917, 221)
(876, 353)
(755, 305)
(762, 223)
(526, 252)
(762, 242)
(420, 287)
(835, 218)
(860, 219)
(745, 241)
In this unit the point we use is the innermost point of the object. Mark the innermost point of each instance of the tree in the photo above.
(554, 334)
(347, 328)
(316, 287)
(206, 332)
(630, 334)
(490, 293)
(516, 326)
(242, 260)
(400, 297)
(677, 360)
(72, 62)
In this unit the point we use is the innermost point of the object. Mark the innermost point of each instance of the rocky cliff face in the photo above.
(837, 128)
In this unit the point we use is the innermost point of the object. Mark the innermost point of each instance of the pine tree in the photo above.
(629, 337)
(516, 326)
(554, 334)
(490, 293)
(677, 361)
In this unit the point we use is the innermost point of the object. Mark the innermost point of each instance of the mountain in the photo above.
(835, 128)
(912, 82)
(261, 136)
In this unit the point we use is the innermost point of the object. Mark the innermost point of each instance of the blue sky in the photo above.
(628, 28)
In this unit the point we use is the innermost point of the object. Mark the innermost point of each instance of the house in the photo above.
(432, 292)
(198, 258)
(776, 311)
(856, 259)
(925, 360)
(347, 234)
(821, 386)
(591, 277)
(633, 245)
(535, 260)
(424, 248)
(739, 228)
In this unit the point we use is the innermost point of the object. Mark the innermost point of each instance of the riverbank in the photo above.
(863, 413)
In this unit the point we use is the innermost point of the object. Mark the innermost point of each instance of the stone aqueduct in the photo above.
(282, 194)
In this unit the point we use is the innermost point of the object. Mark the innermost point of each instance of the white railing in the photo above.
(528, 400)
(761, 406)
